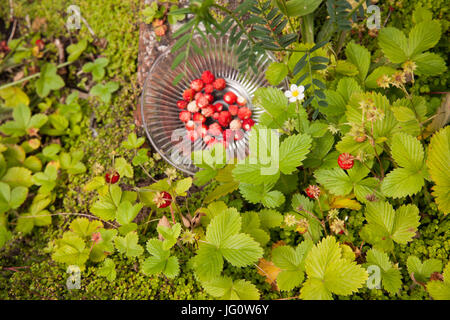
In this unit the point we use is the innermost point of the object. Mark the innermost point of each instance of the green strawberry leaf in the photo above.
(292, 264)
(128, 245)
(391, 277)
(227, 289)
(330, 273)
(104, 91)
(97, 68)
(76, 49)
(108, 270)
(160, 260)
(386, 226)
(48, 81)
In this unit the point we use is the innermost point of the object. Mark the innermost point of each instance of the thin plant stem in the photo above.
(62, 65)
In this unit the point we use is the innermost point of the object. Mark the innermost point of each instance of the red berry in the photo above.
(235, 124)
(199, 118)
(112, 177)
(247, 124)
(219, 84)
(182, 104)
(210, 97)
(233, 109)
(208, 111)
(241, 101)
(163, 199)
(192, 135)
(224, 118)
(229, 97)
(218, 107)
(188, 95)
(185, 116)
(203, 130)
(192, 107)
(190, 125)
(244, 113)
(4, 47)
(197, 85)
(40, 44)
(198, 95)
(202, 102)
(208, 77)
(345, 161)
(313, 192)
(209, 88)
(215, 129)
(216, 115)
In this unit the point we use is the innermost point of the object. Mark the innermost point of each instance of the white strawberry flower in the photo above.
(296, 93)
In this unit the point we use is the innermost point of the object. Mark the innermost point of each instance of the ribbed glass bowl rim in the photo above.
(161, 56)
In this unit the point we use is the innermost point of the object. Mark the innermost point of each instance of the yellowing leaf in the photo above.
(270, 271)
(339, 202)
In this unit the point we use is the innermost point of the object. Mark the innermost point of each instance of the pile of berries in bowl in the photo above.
(212, 113)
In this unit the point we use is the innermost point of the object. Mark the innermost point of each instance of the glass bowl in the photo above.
(159, 111)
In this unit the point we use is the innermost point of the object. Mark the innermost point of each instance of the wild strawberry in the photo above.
(199, 118)
(203, 130)
(224, 118)
(202, 102)
(208, 77)
(182, 104)
(40, 44)
(215, 129)
(4, 47)
(192, 135)
(244, 113)
(209, 88)
(210, 97)
(241, 101)
(233, 109)
(198, 95)
(162, 199)
(219, 84)
(229, 97)
(112, 177)
(345, 161)
(313, 192)
(197, 85)
(235, 124)
(188, 95)
(247, 124)
(185, 116)
(190, 125)
(208, 111)
(216, 115)
(192, 107)
(218, 107)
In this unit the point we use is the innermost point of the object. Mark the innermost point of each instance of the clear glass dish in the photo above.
(159, 111)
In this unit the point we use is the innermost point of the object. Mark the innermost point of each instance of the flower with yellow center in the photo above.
(383, 81)
(171, 173)
(290, 220)
(296, 93)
